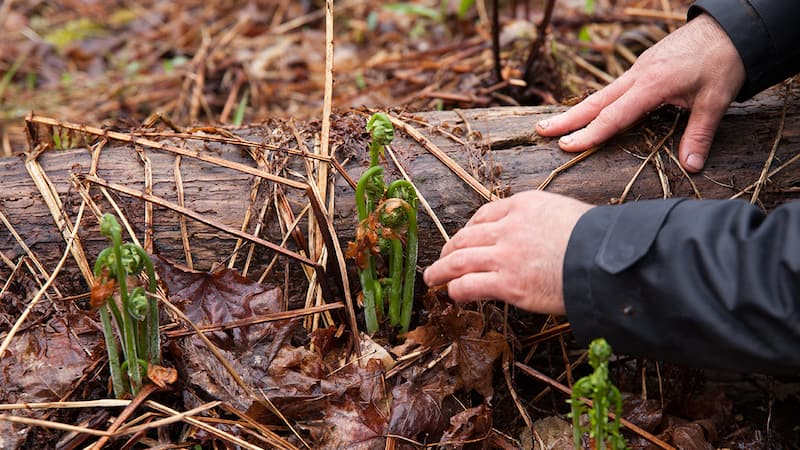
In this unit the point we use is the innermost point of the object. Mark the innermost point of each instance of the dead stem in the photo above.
(53, 201)
(655, 149)
(263, 318)
(40, 293)
(444, 158)
(50, 424)
(179, 417)
(514, 396)
(208, 428)
(196, 216)
(762, 179)
(187, 251)
(572, 162)
(27, 250)
(125, 414)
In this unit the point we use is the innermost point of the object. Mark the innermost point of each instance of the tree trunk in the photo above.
(495, 146)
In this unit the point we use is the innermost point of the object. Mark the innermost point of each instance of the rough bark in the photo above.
(497, 146)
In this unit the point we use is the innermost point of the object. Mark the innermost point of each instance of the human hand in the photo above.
(512, 250)
(695, 67)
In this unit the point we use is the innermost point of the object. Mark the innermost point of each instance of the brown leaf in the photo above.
(43, 364)
(473, 424)
(646, 414)
(222, 296)
(161, 376)
(349, 426)
(417, 413)
(690, 437)
(473, 353)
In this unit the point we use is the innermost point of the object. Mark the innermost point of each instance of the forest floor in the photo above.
(192, 63)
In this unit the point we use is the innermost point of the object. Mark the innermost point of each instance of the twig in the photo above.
(168, 420)
(635, 176)
(105, 403)
(444, 158)
(194, 215)
(561, 376)
(788, 163)
(31, 255)
(267, 435)
(53, 201)
(125, 414)
(52, 425)
(264, 318)
(284, 419)
(547, 334)
(580, 157)
(683, 171)
(204, 426)
(50, 279)
(123, 137)
(187, 251)
(541, 37)
(653, 152)
(762, 179)
(507, 374)
(326, 225)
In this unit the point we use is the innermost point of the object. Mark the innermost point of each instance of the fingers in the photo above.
(585, 111)
(459, 263)
(481, 235)
(613, 119)
(696, 140)
(490, 212)
(476, 286)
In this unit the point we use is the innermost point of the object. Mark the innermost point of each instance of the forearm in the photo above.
(707, 283)
(765, 35)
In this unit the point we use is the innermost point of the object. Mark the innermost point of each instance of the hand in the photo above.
(695, 67)
(512, 250)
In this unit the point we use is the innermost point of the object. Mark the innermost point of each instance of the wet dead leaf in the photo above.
(690, 437)
(348, 425)
(43, 364)
(469, 426)
(549, 433)
(646, 414)
(222, 296)
(161, 376)
(417, 412)
(473, 349)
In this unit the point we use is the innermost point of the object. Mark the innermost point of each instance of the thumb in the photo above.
(699, 134)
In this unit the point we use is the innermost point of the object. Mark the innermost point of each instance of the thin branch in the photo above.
(38, 296)
(762, 179)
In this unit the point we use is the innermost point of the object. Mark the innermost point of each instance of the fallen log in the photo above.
(200, 186)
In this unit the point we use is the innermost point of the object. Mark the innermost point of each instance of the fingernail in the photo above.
(543, 124)
(566, 140)
(695, 161)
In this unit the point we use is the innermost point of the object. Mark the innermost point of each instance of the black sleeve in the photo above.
(764, 32)
(710, 283)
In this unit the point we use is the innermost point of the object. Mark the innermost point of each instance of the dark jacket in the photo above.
(706, 283)
(711, 283)
(765, 32)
